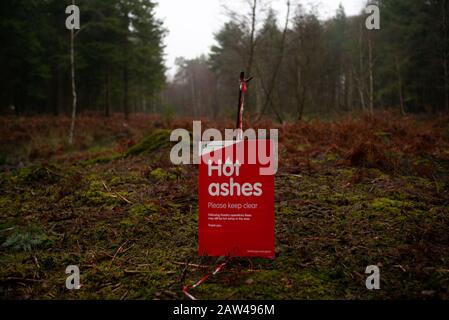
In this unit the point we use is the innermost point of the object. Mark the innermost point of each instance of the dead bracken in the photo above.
(349, 193)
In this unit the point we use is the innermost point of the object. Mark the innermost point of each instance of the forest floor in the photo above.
(349, 193)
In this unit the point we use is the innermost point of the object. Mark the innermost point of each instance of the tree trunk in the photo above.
(55, 90)
(400, 85)
(125, 66)
(300, 92)
(257, 88)
(371, 76)
(446, 84)
(350, 85)
(445, 56)
(125, 91)
(193, 93)
(362, 98)
(74, 96)
(144, 103)
(362, 67)
(107, 107)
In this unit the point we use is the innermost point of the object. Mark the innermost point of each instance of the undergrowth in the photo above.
(349, 193)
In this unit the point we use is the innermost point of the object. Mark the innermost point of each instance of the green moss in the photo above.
(160, 174)
(347, 173)
(96, 194)
(269, 284)
(103, 159)
(301, 147)
(158, 140)
(316, 284)
(390, 205)
(115, 181)
(5, 202)
(138, 213)
(38, 174)
(285, 210)
(384, 136)
(144, 210)
(97, 149)
(127, 223)
(331, 157)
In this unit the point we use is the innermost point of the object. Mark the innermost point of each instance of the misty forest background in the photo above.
(302, 65)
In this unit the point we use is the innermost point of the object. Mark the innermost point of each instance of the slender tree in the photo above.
(73, 82)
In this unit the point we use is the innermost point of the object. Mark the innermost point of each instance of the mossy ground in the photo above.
(130, 224)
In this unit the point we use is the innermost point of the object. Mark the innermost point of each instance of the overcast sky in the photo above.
(191, 24)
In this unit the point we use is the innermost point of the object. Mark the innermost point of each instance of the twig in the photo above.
(105, 186)
(123, 198)
(24, 279)
(182, 276)
(191, 265)
(115, 194)
(118, 251)
(401, 267)
(136, 271)
(145, 271)
(124, 295)
(290, 175)
(37, 262)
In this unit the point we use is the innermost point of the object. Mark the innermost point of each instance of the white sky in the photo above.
(192, 24)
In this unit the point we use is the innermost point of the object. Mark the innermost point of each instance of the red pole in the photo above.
(243, 88)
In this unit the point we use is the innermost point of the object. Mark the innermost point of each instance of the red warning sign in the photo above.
(236, 199)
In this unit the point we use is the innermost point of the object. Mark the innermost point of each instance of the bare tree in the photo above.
(252, 42)
(272, 82)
